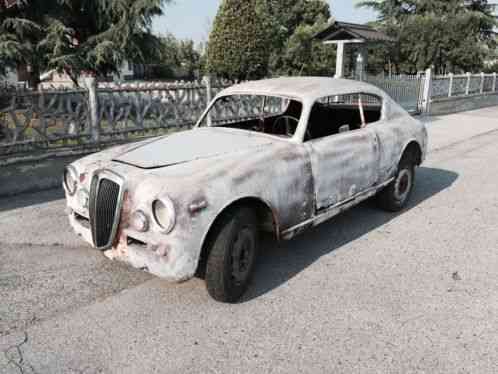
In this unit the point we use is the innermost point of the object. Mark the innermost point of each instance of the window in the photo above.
(267, 114)
(336, 114)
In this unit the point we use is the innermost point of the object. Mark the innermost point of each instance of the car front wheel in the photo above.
(232, 255)
(396, 195)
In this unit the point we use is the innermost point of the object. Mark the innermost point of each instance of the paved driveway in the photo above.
(366, 292)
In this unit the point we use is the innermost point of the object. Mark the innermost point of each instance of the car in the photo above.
(278, 155)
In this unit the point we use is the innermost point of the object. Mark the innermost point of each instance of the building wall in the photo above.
(11, 76)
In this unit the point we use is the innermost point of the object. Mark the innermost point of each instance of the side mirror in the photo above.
(343, 128)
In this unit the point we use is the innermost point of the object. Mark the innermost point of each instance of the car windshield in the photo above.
(267, 114)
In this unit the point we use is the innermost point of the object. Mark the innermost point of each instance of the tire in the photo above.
(232, 255)
(396, 195)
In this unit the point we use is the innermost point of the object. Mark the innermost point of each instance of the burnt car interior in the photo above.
(282, 124)
(280, 116)
(334, 115)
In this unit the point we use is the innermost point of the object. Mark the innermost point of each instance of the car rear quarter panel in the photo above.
(394, 136)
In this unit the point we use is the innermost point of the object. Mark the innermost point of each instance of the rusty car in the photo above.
(278, 155)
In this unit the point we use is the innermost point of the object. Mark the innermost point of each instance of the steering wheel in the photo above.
(289, 129)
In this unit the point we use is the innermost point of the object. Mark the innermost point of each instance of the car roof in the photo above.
(303, 88)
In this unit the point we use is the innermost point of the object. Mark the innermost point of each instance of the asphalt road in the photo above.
(368, 292)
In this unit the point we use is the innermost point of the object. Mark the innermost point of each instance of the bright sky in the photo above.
(192, 18)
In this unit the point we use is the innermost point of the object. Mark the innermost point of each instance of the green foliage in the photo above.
(79, 35)
(178, 59)
(491, 68)
(240, 42)
(295, 51)
(449, 35)
(256, 38)
(301, 54)
(190, 59)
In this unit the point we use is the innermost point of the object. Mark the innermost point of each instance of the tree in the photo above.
(190, 59)
(240, 43)
(295, 51)
(256, 38)
(79, 35)
(21, 31)
(177, 59)
(290, 14)
(449, 35)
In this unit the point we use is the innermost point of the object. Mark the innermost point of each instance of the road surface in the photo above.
(368, 292)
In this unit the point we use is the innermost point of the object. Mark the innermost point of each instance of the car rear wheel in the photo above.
(397, 194)
(232, 255)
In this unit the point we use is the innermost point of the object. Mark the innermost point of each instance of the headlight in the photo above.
(164, 214)
(83, 198)
(139, 221)
(70, 180)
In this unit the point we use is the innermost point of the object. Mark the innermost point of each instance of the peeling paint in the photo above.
(302, 183)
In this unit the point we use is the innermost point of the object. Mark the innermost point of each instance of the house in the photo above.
(130, 71)
(55, 80)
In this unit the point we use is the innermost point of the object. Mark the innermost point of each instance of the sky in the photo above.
(191, 19)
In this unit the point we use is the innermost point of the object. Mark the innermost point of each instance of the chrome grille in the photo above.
(104, 209)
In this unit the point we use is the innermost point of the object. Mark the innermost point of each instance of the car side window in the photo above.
(338, 114)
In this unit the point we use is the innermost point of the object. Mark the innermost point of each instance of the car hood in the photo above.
(191, 145)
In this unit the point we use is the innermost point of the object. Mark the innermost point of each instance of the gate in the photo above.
(406, 90)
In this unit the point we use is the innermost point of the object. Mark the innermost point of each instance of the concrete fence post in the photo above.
(482, 83)
(467, 87)
(426, 101)
(450, 88)
(494, 82)
(93, 107)
(209, 96)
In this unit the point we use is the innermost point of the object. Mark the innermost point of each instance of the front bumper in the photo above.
(162, 258)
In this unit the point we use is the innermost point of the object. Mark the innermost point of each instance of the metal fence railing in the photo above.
(416, 92)
(406, 90)
(463, 85)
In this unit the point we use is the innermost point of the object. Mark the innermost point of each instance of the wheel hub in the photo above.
(242, 255)
(403, 185)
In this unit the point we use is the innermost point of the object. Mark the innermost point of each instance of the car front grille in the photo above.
(104, 208)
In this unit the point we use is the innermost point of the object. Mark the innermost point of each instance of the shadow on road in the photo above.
(280, 262)
(28, 199)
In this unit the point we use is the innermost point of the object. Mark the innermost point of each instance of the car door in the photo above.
(343, 165)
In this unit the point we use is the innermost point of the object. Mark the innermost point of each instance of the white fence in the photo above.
(463, 85)
(108, 112)
(406, 90)
(416, 92)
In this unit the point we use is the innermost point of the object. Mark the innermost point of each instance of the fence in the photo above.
(38, 122)
(406, 90)
(463, 85)
(109, 113)
(416, 93)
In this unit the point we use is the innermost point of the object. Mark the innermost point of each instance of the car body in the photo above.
(153, 204)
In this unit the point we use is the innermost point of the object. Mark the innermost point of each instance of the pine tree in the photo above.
(78, 35)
